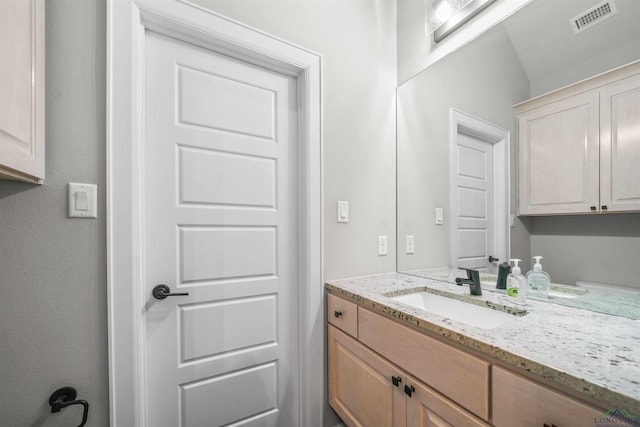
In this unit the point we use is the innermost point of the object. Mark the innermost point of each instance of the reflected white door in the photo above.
(474, 193)
(220, 224)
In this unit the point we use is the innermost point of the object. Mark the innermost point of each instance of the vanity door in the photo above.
(427, 408)
(362, 386)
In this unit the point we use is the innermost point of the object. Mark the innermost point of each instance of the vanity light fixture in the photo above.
(445, 16)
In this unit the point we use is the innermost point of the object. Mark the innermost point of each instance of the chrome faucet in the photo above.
(473, 280)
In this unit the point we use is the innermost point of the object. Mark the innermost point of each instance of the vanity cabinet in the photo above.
(543, 407)
(579, 147)
(368, 387)
(22, 125)
(391, 375)
(360, 385)
(367, 390)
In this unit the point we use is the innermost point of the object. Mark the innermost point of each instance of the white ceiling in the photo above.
(542, 36)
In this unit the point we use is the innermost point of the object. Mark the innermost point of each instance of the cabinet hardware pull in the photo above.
(337, 313)
(604, 208)
(593, 208)
(396, 381)
(409, 389)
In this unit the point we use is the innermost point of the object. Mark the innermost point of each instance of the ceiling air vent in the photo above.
(594, 15)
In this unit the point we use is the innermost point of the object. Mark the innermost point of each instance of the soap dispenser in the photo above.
(538, 280)
(517, 284)
(503, 271)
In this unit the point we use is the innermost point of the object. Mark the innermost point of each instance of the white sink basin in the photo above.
(460, 311)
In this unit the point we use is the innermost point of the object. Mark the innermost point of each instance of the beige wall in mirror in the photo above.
(532, 51)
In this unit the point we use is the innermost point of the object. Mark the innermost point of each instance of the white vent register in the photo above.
(594, 15)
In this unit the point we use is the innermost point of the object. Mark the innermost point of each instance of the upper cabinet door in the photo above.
(22, 90)
(620, 146)
(558, 157)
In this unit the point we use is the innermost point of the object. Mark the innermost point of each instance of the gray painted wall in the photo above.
(358, 46)
(483, 79)
(592, 248)
(53, 269)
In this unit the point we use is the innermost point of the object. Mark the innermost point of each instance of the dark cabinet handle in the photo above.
(396, 381)
(162, 291)
(409, 390)
(604, 208)
(493, 259)
(337, 313)
(593, 208)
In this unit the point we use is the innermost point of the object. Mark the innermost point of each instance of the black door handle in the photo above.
(492, 259)
(162, 291)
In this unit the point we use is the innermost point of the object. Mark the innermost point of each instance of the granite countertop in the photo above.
(591, 353)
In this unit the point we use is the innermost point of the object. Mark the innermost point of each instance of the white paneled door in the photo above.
(474, 196)
(221, 225)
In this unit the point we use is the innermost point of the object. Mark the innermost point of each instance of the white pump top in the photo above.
(515, 269)
(537, 267)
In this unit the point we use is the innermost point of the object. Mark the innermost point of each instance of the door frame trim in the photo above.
(127, 21)
(501, 140)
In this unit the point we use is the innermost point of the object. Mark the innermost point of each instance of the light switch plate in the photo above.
(83, 200)
(343, 211)
(439, 216)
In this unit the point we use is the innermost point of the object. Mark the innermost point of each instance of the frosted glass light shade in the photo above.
(437, 12)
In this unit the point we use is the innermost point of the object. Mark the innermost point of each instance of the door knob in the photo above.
(492, 259)
(162, 291)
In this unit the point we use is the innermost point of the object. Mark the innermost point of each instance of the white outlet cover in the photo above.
(410, 246)
(382, 245)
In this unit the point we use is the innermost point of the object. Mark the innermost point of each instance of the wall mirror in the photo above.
(461, 107)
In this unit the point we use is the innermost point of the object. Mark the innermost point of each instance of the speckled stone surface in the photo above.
(594, 354)
(617, 302)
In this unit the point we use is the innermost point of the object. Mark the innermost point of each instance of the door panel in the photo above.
(474, 198)
(220, 223)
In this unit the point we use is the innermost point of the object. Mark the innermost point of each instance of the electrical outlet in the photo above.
(410, 244)
(382, 245)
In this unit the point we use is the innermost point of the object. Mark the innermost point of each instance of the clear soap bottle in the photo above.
(538, 280)
(517, 284)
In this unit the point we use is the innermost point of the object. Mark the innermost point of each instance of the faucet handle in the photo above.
(471, 273)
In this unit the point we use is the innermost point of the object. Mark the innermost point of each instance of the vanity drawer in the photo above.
(343, 314)
(460, 376)
(518, 401)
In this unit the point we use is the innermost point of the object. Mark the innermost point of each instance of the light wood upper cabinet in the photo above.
(579, 147)
(22, 124)
(620, 145)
